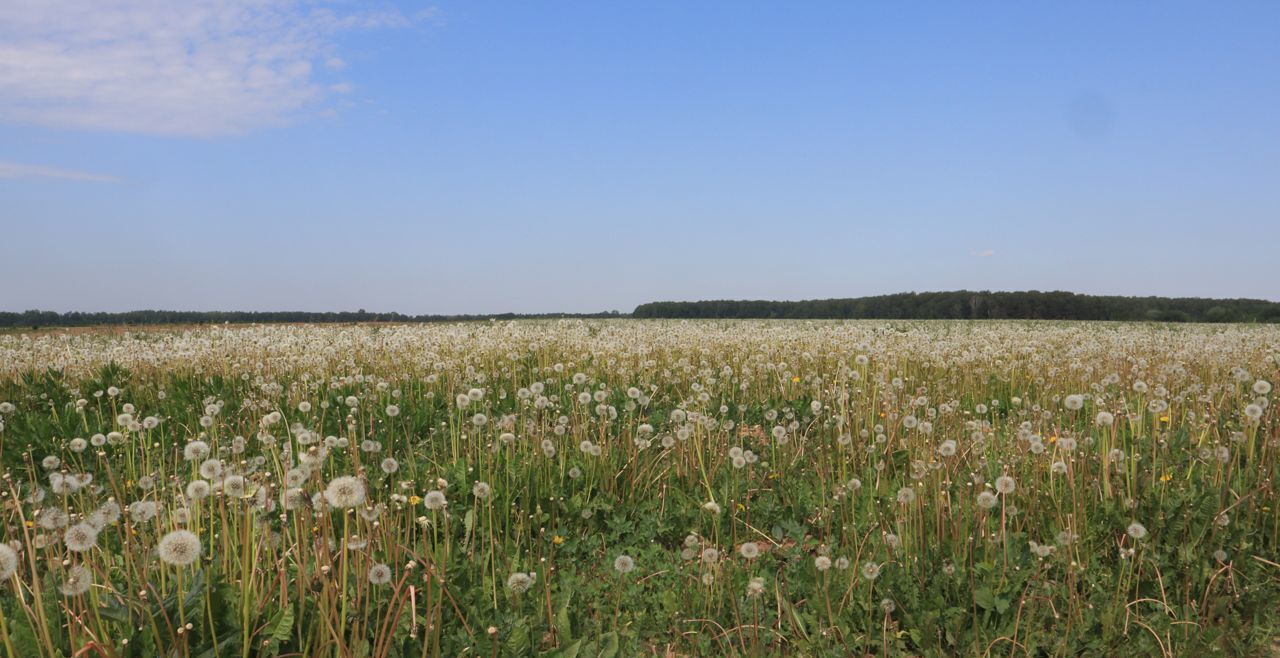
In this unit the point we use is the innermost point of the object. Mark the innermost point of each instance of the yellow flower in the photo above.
(795, 380)
(557, 540)
(414, 500)
(1164, 419)
(1053, 439)
(1166, 477)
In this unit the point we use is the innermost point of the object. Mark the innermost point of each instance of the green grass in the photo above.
(850, 478)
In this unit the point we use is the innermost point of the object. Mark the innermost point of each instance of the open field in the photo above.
(620, 488)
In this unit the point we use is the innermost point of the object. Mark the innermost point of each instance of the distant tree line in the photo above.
(954, 305)
(37, 319)
(984, 305)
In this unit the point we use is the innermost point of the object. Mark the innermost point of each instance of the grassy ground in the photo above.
(623, 488)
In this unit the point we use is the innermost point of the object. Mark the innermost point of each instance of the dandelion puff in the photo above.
(822, 563)
(379, 574)
(481, 490)
(346, 491)
(624, 564)
(906, 495)
(988, 500)
(870, 571)
(519, 582)
(1136, 530)
(198, 490)
(749, 550)
(1006, 485)
(434, 500)
(179, 548)
(77, 581)
(141, 511)
(80, 537)
(755, 586)
(210, 469)
(234, 486)
(195, 451)
(8, 561)
(107, 514)
(390, 465)
(1105, 418)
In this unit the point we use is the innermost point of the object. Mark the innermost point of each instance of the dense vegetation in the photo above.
(598, 489)
(967, 305)
(955, 305)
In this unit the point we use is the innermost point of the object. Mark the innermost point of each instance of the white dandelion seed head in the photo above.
(195, 450)
(345, 492)
(434, 500)
(379, 574)
(519, 582)
(198, 490)
(77, 581)
(80, 537)
(8, 561)
(179, 548)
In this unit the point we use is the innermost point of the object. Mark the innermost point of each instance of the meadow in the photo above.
(621, 488)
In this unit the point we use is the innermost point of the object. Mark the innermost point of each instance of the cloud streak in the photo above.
(20, 170)
(202, 68)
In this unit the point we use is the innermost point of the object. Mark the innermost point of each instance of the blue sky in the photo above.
(488, 157)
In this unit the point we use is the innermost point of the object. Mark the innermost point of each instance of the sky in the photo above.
(486, 157)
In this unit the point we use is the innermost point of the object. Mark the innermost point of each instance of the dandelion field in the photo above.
(621, 488)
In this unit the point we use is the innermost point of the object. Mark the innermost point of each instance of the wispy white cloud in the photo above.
(985, 253)
(193, 68)
(21, 170)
